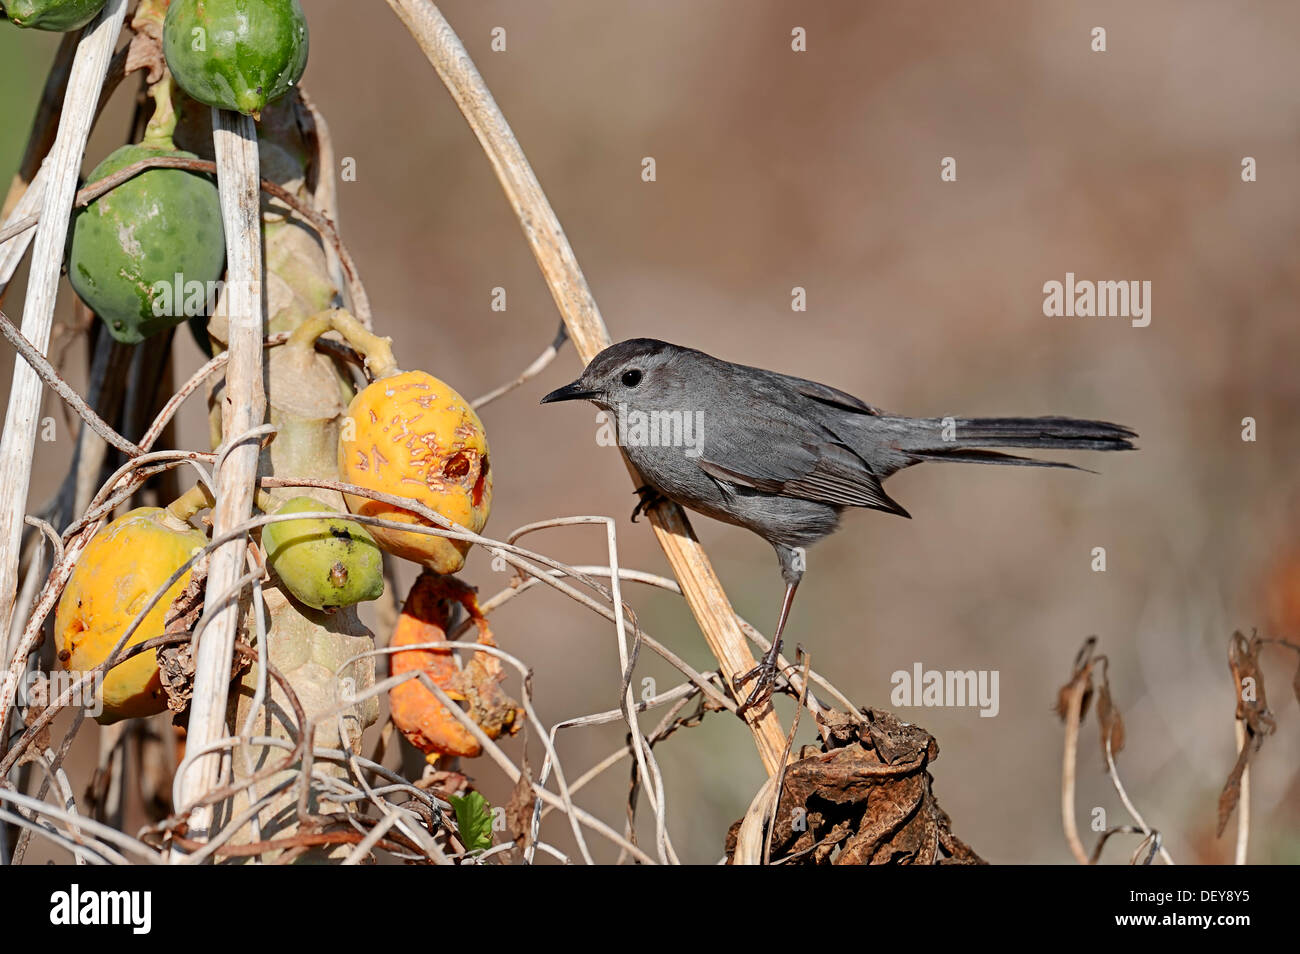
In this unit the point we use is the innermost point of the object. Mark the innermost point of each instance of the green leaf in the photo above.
(473, 821)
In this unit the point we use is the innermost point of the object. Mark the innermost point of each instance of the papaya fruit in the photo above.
(412, 435)
(236, 54)
(56, 15)
(121, 568)
(416, 711)
(325, 564)
(144, 255)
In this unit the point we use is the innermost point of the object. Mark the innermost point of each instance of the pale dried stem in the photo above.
(1128, 804)
(1073, 717)
(627, 661)
(243, 411)
(539, 364)
(18, 445)
(700, 584)
(1243, 801)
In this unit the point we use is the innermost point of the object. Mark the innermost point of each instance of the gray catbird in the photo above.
(783, 456)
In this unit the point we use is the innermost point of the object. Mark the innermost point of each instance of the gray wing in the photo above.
(825, 394)
(792, 458)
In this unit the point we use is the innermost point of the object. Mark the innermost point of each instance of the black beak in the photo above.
(570, 392)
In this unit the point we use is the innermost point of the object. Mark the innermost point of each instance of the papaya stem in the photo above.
(191, 502)
(377, 351)
(162, 125)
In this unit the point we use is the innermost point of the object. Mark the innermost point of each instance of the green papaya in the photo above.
(57, 15)
(148, 254)
(236, 54)
(325, 564)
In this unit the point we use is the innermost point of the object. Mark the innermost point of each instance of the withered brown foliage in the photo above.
(864, 796)
(1252, 709)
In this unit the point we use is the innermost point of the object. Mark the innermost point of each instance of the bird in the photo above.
(784, 456)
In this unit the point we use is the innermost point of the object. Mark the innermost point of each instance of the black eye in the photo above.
(632, 378)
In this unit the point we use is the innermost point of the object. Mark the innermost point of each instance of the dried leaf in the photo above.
(1252, 708)
(145, 50)
(1111, 722)
(520, 808)
(1081, 675)
(863, 797)
(1231, 793)
(176, 663)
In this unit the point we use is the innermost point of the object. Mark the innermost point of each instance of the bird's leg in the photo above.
(767, 670)
(649, 498)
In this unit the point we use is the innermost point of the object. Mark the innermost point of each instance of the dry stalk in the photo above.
(1073, 717)
(700, 584)
(1243, 804)
(18, 445)
(243, 411)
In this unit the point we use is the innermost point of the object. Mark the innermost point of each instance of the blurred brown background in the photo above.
(821, 169)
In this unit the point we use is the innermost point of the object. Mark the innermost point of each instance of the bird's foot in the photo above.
(649, 498)
(765, 675)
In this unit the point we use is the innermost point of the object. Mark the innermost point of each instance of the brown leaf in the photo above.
(1081, 675)
(864, 797)
(1231, 793)
(1252, 708)
(176, 662)
(519, 810)
(1111, 722)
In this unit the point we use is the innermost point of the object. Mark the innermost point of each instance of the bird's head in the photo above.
(638, 372)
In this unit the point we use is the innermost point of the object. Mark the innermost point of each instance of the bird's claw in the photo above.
(649, 498)
(765, 675)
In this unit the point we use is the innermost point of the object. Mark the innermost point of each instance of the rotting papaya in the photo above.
(236, 54)
(412, 435)
(121, 568)
(416, 711)
(325, 564)
(58, 16)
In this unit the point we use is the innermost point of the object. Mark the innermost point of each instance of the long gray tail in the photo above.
(965, 440)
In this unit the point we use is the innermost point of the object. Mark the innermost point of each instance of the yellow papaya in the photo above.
(121, 568)
(412, 435)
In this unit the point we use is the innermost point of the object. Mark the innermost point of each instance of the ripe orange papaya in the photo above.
(121, 568)
(412, 435)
